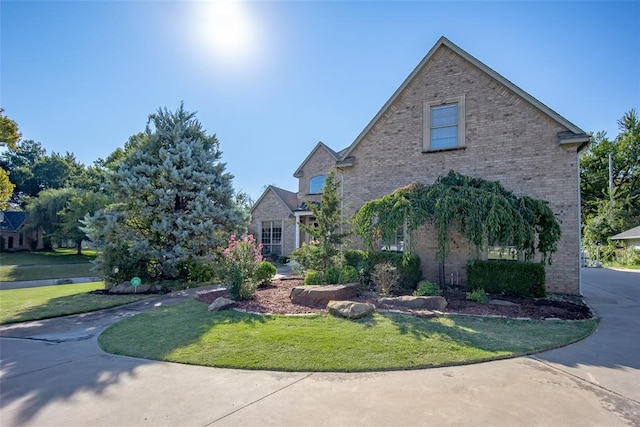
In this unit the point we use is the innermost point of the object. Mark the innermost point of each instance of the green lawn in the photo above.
(58, 264)
(187, 333)
(20, 305)
(58, 256)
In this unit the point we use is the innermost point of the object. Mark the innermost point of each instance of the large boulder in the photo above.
(417, 303)
(350, 309)
(221, 303)
(313, 296)
(209, 296)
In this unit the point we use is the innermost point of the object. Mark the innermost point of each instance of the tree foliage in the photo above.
(32, 170)
(483, 211)
(604, 213)
(173, 200)
(9, 133)
(327, 233)
(44, 213)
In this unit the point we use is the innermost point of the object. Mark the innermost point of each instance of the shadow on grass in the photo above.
(67, 305)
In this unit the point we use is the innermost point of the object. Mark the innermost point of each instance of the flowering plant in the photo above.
(241, 260)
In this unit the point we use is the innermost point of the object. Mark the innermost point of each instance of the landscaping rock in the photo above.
(211, 295)
(221, 303)
(350, 309)
(311, 296)
(427, 303)
(503, 302)
(126, 288)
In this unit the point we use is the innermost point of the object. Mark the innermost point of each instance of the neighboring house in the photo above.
(451, 113)
(12, 234)
(630, 238)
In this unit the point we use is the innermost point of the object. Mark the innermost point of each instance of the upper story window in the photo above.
(316, 184)
(444, 124)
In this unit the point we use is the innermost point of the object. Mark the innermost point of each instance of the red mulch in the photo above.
(275, 299)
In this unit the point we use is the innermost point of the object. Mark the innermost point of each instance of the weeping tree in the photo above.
(482, 211)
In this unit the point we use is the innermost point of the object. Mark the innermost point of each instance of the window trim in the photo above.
(426, 131)
(324, 176)
(271, 222)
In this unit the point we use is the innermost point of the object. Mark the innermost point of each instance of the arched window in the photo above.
(316, 184)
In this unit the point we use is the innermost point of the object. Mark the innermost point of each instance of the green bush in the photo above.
(265, 272)
(332, 275)
(629, 257)
(313, 277)
(348, 274)
(197, 270)
(408, 266)
(507, 277)
(478, 295)
(386, 278)
(427, 289)
(355, 257)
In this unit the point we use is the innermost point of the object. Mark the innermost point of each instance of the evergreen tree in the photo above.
(174, 200)
(326, 234)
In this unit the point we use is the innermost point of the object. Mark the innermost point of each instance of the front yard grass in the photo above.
(57, 264)
(187, 333)
(21, 305)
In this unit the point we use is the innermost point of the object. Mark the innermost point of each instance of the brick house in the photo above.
(451, 113)
(12, 234)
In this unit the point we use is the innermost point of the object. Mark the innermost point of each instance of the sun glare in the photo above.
(225, 29)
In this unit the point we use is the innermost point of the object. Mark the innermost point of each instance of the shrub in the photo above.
(408, 266)
(241, 260)
(313, 277)
(332, 275)
(196, 270)
(348, 274)
(507, 277)
(309, 256)
(355, 257)
(427, 288)
(629, 256)
(265, 272)
(478, 295)
(386, 278)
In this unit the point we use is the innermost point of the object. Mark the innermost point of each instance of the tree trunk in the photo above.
(79, 246)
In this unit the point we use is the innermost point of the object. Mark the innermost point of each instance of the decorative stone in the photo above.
(350, 309)
(126, 288)
(211, 295)
(421, 303)
(313, 296)
(503, 302)
(221, 303)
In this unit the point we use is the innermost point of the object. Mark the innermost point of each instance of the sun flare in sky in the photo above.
(226, 30)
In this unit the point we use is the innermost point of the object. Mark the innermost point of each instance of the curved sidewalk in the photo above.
(47, 382)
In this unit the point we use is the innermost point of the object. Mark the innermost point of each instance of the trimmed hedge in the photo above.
(408, 265)
(524, 279)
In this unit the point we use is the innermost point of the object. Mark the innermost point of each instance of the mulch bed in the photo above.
(275, 299)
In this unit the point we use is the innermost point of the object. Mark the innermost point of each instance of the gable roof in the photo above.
(12, 221)
(288, 198)
(318, 146)
(577, 135)
(632, 233)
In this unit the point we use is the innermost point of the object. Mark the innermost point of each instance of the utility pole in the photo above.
(611, 177)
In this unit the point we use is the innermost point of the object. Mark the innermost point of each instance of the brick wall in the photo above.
(318, 164)
(272, 208)
(507, 140)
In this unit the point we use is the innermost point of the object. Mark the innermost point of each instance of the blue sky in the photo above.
(271, 79)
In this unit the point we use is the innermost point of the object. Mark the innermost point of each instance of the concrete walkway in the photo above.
(53, 374)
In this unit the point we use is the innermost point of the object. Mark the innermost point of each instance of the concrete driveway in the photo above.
(58, 376)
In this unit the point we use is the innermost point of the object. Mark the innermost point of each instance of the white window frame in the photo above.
(317, 177)
(427, 107)
(271, 227)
